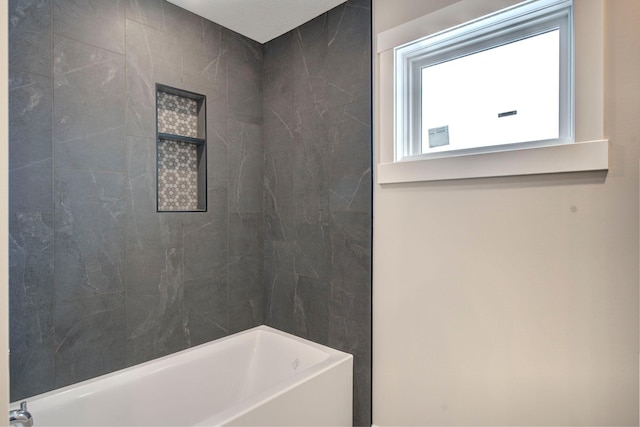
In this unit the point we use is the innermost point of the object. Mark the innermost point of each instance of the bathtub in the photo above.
(261, 376)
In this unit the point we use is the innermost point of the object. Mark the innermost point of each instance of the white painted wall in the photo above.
(514, 301)
(4, 209)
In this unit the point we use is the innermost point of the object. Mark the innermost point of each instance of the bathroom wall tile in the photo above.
(350, 183)
(246, 315)
(246, 270)
(155, 304)
(280, 285)
(88, 107)
(281, 130)
(351, 253)
(205, 54)
(90, 337)
(309, 65)
(313, 256)
(146, 228)
(31, 303)
(96, 22)
(30, 154)
(206, 309)
(247, 234)
(280, 127)
(152, 56)
(311, 309)
(246, 292)
(245, 79)
(246, 165)
(30, 36)
(312, 168)
(278, 196)
(245, 279)
(278, 53)
(89, 236)
(349, 28)
(206, 236)
(163, 16)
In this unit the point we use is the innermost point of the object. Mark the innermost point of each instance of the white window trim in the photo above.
(588, 153)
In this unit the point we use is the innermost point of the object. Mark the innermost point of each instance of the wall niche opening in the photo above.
(181, 150)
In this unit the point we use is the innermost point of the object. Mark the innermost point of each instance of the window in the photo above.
(572, 140)
(500, 82)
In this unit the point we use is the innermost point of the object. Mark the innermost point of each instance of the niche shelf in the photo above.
(181, 150)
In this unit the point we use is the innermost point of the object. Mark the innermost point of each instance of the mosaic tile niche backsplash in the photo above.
(177, 115)
(178, 160)
(177, 176)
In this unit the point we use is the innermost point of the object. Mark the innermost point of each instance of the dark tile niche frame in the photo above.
(181, 150)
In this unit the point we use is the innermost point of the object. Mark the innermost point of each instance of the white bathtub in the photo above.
(261, 376)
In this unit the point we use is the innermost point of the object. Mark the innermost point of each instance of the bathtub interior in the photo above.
(223, 377)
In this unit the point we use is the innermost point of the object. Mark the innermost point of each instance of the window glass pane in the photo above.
(507, 94)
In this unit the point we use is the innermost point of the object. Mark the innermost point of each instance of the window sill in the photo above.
(575, 157)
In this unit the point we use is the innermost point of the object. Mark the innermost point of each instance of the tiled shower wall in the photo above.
(99, 279)
(318, 186)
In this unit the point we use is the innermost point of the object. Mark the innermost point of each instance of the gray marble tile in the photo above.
(30, 152)
(349, 52)
(280, 124)
(163, 16)
(246, 315)
(90, 337)
(278, 196)
(244, 78)
(30, 36)
(152, 56)
(31, 303)
(312, 171)
(311, 309)
(246, 274)
(205, 54)
(350, 182)
(96, 22)
(309, 64)
(281, 127)
(89, 233)
(280, 285)
(313, 257)
(246, 164)
(278, 52)
(206, 309)
(351, 253)
(147, 228)
(206, 235)
(88, 107)
(246, 234)
(155, 304)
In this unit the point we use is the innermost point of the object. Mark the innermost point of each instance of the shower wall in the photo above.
(98, 279)
(318, 186)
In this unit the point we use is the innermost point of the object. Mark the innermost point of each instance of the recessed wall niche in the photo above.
(181, 150)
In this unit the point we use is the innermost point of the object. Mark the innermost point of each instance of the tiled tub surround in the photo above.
(106, 280)
(99, 280)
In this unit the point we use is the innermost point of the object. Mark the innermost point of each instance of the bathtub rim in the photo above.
(235, 410)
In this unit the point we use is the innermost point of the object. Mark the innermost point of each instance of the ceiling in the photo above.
(260, 20)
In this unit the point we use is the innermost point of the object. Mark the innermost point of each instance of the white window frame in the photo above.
(508, 25)
(565, 155)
